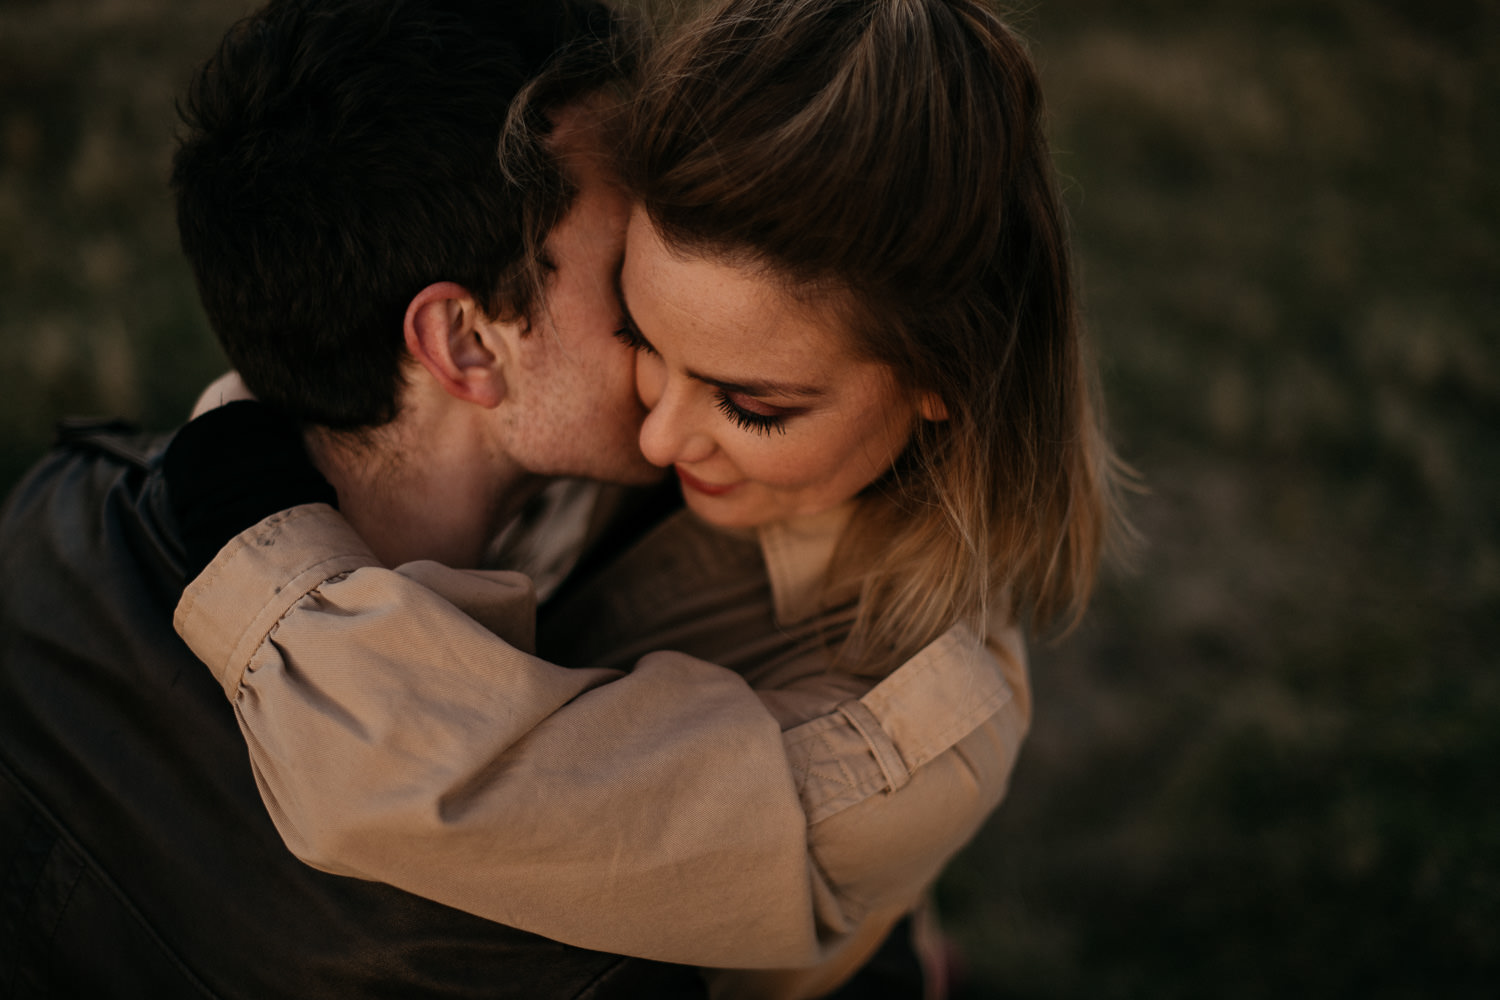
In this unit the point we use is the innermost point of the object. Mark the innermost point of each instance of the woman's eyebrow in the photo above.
(753, 387)
(762, 388)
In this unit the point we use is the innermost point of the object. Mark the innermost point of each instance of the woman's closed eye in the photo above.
(747, 412)
(751, 414)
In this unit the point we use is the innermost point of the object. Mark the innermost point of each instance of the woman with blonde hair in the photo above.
(847, 281)
(885, 162)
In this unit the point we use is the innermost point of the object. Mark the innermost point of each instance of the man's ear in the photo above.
(448, 334)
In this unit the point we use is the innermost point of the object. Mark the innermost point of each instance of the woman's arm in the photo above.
(660, 813)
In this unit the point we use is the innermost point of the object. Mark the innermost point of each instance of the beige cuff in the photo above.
(227, 612)
(874, 744)
(939, 696)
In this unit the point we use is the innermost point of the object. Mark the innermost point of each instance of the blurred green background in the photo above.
(1266, 763)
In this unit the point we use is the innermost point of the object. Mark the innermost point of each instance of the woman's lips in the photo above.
(692, 482)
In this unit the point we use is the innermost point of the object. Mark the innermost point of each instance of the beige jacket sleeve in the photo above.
(661, 813)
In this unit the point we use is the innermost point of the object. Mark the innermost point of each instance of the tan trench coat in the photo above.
(694, 787)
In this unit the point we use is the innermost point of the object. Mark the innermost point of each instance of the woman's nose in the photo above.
(671, 431)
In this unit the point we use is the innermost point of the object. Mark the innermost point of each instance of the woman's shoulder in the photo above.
(948, 689)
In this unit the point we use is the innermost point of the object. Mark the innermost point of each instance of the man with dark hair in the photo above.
(432, 313)
(363, 253)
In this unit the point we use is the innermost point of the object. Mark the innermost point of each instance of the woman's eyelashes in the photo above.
(748, 419)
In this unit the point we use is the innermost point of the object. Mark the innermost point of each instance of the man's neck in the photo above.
(436, 498)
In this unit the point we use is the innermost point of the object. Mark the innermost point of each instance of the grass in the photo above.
(1264, 764)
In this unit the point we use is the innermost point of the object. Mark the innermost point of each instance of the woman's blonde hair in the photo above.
(889, 156)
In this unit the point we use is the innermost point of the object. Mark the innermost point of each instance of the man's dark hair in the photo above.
(341, 155)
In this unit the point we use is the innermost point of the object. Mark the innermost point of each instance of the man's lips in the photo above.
(692, 482)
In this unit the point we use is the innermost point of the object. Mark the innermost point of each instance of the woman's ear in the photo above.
(931, 407)
(448, 335)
